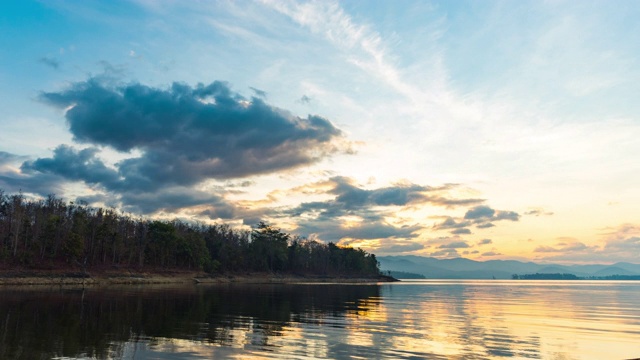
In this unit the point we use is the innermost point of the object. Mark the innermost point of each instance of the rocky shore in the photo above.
(90, 278)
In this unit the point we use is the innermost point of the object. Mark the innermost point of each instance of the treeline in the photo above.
(538, 276)
(47, 232)
(403, 274)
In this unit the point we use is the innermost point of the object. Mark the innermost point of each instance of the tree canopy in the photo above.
(46, 232)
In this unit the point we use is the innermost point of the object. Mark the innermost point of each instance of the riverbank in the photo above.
(113, 277)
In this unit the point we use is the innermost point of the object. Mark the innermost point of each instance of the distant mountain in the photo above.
(613, 270)
(461, 268)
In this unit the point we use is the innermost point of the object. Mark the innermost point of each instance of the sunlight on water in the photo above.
(408, 320)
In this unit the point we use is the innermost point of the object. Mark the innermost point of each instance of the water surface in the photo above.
(407, 320)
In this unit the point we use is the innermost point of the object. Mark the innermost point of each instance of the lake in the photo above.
(431, 319)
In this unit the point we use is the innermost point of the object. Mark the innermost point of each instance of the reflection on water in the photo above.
(413, 319)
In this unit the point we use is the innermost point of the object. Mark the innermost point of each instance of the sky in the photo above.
(478, 129)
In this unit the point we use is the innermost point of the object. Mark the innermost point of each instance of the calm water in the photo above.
(408, 320)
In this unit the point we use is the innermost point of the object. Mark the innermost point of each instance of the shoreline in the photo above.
(30, 277)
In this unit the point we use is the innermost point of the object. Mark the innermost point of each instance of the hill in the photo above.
(461, 268)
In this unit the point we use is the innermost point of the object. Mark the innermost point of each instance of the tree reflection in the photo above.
(44, 323)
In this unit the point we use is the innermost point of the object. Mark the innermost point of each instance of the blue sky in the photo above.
(489, 130)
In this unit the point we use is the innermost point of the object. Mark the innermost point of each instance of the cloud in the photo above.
(336, 229)
(491, 253)
(394, 247)
(461, 231)
(624, 240)
(190, 134)
(445, 254)
(349, 197)
(7, 158)
(357, 212)
(451, 223)
(538, 212)
(482, 215)
(485, 242)
(480, 212)
(51, 62)
(618, 244)
(304, 99)
(259, 93)
(562, 247)
(454, 245)
(184, 136)
(44, 184)
(82, 165)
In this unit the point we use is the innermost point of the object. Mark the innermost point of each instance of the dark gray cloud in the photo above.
(189, 134)
(185, 135)
(482, 214)
(334, 230)
(351, 196)
(451, 223)
(172, 199)
(42, 185)
(461, 231)
(485, 225)
(506, 215)
(13, 181)
(372, 206)
(485, 242)
(82, 165)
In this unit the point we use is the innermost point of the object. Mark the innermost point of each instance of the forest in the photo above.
(50, 233)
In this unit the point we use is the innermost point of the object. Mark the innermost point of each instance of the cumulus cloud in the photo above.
(189, 134)
(369, 206)
(485, 242)
(484, 213)
(13, 181)
(483, 216)
(350, 197)
(181, 135)
(71, 164)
